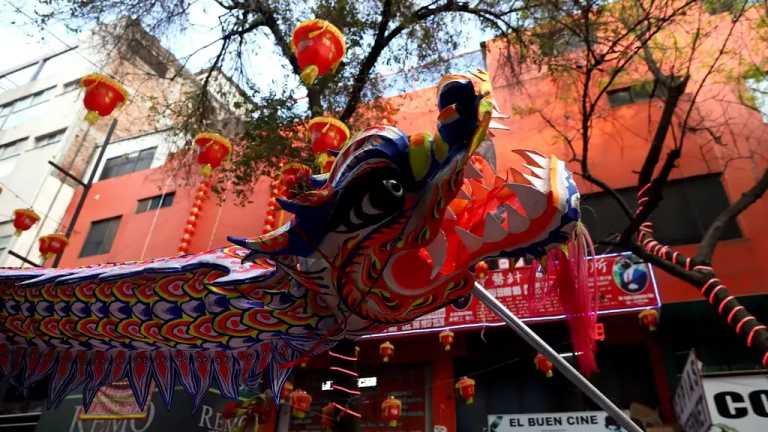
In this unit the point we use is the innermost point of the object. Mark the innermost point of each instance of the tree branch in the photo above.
(712, 236)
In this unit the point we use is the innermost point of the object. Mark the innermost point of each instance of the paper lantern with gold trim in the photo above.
(23, 219)
(213, 149)
(544, 365)
(327, 134)
(391, 409)
(300, 403)
(386, 351)
(52, 245)
(102, 95)
(649, 318)
(319, 47)
(466, 388)
(446, 339)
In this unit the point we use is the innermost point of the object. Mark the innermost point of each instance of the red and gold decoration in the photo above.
(446, 339)
(300, 402)
(649, 319)
(327, 417)
(481, 270)
(319, 47)
(285, 393)
(102, 95)
(294, 179)
(544, 365)
(466, 388)
(23, 219)
(327, 134)
(391, 410)
(386, 351)
(52, 245)
(203, 189)
(213, 149)
(256, 411)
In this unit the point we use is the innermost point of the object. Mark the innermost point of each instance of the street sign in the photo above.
(690, 399)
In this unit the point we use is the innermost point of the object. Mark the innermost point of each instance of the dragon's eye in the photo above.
(393, 186)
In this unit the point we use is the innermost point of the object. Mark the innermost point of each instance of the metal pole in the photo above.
(562, 366)
(23, 258)
(87, 187)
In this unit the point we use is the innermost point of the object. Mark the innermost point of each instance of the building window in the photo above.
(70, 86)
(100, 237)
(25, 108)
(635, 93)
(51, 138)
(689, 207)
(12, 148)
(126, 164)
(155, 202)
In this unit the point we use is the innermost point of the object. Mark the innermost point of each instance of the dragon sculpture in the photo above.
(389, 234)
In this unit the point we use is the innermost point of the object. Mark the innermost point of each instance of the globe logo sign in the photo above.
(630, 274)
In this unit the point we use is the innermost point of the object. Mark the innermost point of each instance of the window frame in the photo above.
(101, 249)
(12, 107)
(61, 132)
(156, 202)
(132, 159)
(637, 92)
(14, 144)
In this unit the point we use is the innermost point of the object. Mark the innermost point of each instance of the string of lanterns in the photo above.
(203, 189)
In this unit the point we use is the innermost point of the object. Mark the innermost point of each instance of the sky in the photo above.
(23, 41)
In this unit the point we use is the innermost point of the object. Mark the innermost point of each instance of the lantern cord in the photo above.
(215, 226)
(155, 217)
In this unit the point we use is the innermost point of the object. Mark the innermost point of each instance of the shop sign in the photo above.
(582, 421)
(624, 283)
(68, 417)
(738, 403)
(690, 402)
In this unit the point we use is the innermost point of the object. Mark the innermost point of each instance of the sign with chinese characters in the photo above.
(623, 282)
(586, 421)
(690, 403)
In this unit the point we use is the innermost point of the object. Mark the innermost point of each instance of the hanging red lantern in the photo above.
(285, 393)
(23, 219)
(319, 47)
(446, 339)
(327, 417)
(269, 220)
(327, 134)
(192, 220)
(544, 365)
(213, 150)
(481, 270)
(300, 403)
(52, 245)
(649, 318)
(102, 95)
(390, 411)
(466, 388)
(195, 211)
(386, 351)
(293, 178)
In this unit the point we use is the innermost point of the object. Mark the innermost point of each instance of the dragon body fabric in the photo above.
(389, 234)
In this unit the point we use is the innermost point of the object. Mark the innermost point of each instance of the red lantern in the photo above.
(102, 96)
(52, 245)
(189, 229)
(327, 133)
(230, 410)
(391, 410)
(466, 389)
(269, 220)
(285, 393)
(544, 365)
(481, 270)
(327, 417)
(192, 221)
(649, 318)
(325, 162)
(319, 47)
(213, 150)
(300, 403)
(23, 219)
(446, 339)
(195, 211)
(386, 351)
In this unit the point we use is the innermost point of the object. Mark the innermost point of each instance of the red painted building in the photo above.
(134, 212)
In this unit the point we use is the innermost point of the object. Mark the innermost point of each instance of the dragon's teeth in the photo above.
(516, 222)
(471, 172)
(498, 126)
(538, 172)
(494, 231)
(471, 241)
(536, 182)
(532, 158)
(533, 201)
(437, 251)
(462, 194)
(449, 214)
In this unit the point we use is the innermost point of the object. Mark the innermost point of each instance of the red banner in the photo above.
(623, 281)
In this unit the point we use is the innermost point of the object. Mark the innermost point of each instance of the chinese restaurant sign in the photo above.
(624, 283)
